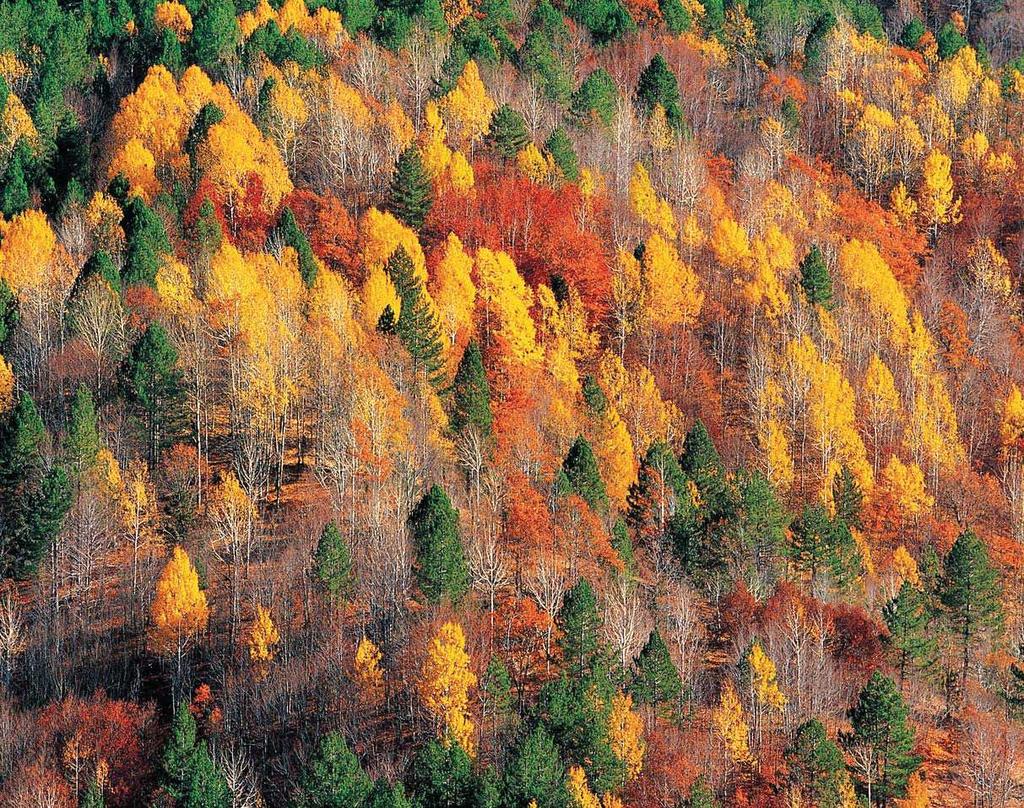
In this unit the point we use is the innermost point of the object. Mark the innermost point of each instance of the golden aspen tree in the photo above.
(6, 386)
(936, 203)
(905, 567)
(613, 449)
(918, 795)
(444, 685)
(731, 725)
(506, 301)
(381, 234)
(256, 18)
(905, 484)
(1011, 440)
(730, 243)
(434, 151)
(882, 404)
(460, 173)
(156, 114)
(28, 247)
(580, 795)
(174, 17)
(179, 611)
(16, 126)
(378, 294)
(626, 734)
(263, 640)
(903, 204)
(137, 165)
(870, 280)
(453, 290)
(628, 297)
(140, 515)
(104, 215)
(648, 206)
(776, 456)
(671, 288)
(367, 671)
(455, 11)
(764, 680)
(233, 516)
(467, 108)
(533, 164)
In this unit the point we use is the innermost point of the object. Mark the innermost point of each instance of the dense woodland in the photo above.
(511, 403)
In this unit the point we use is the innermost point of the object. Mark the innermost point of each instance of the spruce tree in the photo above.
(579, 622)
(676, 17)
(815, 765)
(815, 280)
(471, 394)
(385, 795)
(580, 467)
(593, 395)
(881, 741)
(535, 773)
(700, 795)
(83, 440)
(416, 327)
(411, 195)
(658, 86)
(146, 240)
(333, 778)
(907, 619)
(98, 263)
(215, 33)
(508, 134)
(93, 796)
(357, 15)
(848, 498)
(656, 680)
(595, 100)
(560, 147)
(441, 774)
(623, 546)
(292, 236)
(14, 191)
(970, 593)
(153, 388)
(178, 758)
(332, 563)
(9, 314)
(440, 563)
(207, 787)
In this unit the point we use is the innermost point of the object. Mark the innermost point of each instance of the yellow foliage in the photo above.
(137, 164)
(904, 565)
(445, 682)
(626, 734)
(671, 287)
(367, 670)
(460, 173)
(156, 114)
(263, 640)
(382, 234)
(917, 795)
(467, 109)
(778, 460)
(763, 678)
(533, 164)
(507, 300)
(27, 250)
(903, 204)
(252, 20)
(452, 288)
(455, 11)
(647, 206)
(16, 125)
(398, 125)
(103, 216)
(434, 151)
(179, 609)
(906, 485)
(232, 150)
(869, 277)
(731, 725)
(935, 199)
(6, 386)
(730, 243)
(174, 17)
(613, 450)
(580, 795)
(1011, 428)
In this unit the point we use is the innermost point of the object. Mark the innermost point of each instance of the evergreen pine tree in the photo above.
(471, 394)
(416, 327)
(535, 772)
(9, 314)
(497, 688)
(14, 191)
(580, 467)
(290, 234)
(658, 85)
(815, 280)
(579, 622)
(207, 787)
(656, 680)
(809, 541)
(411, 195)
(593, 395)
(178, 758)
(93, 796)
(508, 134)
(153, 387)
(560, 147)
(357, 15)
(46, 507)
(386, 322)
(385, 795)
(907, 619)
(912, 33)
(676, 17)
(844, 559)
(816, 766)
(596, 99)
(98, 263)
(441, 774)
(215, 33)
(83, 440)
(881, 741)
(700, 796)
(623, 546)
(848, 498)
(22, 441)
(759, 529)
(146, 240)
(333, 778)
(440, 563)
(332, 563)
(970, 593)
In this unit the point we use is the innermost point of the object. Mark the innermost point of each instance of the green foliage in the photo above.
(9, 314)
(535, 772)
(815, 280)
(579, 624)
(93, 796)
(676, 17)
(758, 529)
(821, 545)
(392, 28)
(656, 680)
(471, 394)
(357, 15)
(153, 388)
(14, 191)
(416, 327)
(83, 440)
(497, 688)
(815, 42)
(593, 395)
(441, 774)
(607, 20)
(789, 114)
(815, 765)
(179, 752)
(385, 795)
(215, 33)
(209, 116)
(440, 563)
(950, 41)
(280, 48)
(658, 85)
(623, 546)
(881, 737)
(701, 795)
(596, 99)
(580, 467)
(333, 778)
(912, 33)
(508, 133)
(146, 240)
(538, 58)
(908, 620)
(848, 498)
(411, 195)
(560, 147)
(332, 563)
(290, 234)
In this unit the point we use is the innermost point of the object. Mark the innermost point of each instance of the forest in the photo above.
(511, 403)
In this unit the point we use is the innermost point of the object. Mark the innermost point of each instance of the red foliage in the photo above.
(332, 233)
(248, 224)
(857, 644)
(899, 245)
(737, 610)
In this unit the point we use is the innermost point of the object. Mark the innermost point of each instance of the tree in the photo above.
(190, 776)
(700, 795)
(508, 134)
(658, 87)
(908, 619)
(411, 194)
(656, 680)
(263, 639)
(333, 778)
(332, 563)
(385, 795)
(815, 279)
(9, 315)
(626, 735)
(677, 18)
(440, 562)
(847, 498)
(595, 100)
(816, 766)
(580, 626)
(441, 774)
(93, 796)
(935, 197)
(215, 34)
(444, 685)
(970, 593)
(881, 742)
(560, 147)
(731, 724)
(179, 611)
(471, 394)
(535, 773)
(417, 326)
(290, 234)
(580, 467)
(153, 387)
(83, 440)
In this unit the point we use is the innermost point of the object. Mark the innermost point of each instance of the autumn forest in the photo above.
(511, 403)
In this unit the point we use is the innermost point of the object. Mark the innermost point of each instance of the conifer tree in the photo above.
(579, 622)
(560, 147)
(178, 758)
(83, 440)
(9, 315)
(658, 87)
(411, 195)
(333, 778)
(441, 774)
(623, 546)
(471, 394)
(656, 680)
(816, 766)
(14, 190)
(146, 240)
(153, 387)
(93, 796)
(907, 619)
(292, 236)
(815, 280)
(848, 498)
(596, 99)
(508, 134)
(970, 593)
(332, 563)
(700, 795)
(385, 795)
(417, 327)
(881, 741)
(535, 773)
(440, 563)
(580, 467)
(676, 17)
(215, 34)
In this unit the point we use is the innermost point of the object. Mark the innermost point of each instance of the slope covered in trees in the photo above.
(511, 403)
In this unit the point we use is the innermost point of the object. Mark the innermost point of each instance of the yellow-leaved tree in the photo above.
(6, 386)
(731, 724)
(626, 735)
(935, 199)
(904, 482)
(263, 640)
(648, 206)
(767, 699)
(467, 108)
(451, 286)
(506, 301)
(444, 685)
(179, 611)
(580, 795)
(1011, 440)
(367, 671)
